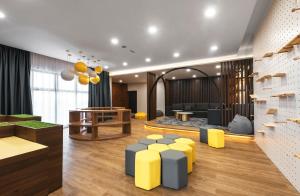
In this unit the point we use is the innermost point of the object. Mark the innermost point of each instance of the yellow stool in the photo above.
(187, 150)
(215, 138)
(158, 147)
(155, 136)
(140, 116)
(147, 169)
(189, 142)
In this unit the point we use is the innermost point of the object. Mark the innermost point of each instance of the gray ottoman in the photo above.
(165, 141)
(130, 157)
(146, 141)
(203, 135)
(172, 136)
(174, 169)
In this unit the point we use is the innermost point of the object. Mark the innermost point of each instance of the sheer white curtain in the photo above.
(52, 96)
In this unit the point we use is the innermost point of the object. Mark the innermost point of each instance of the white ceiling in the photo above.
(49, 27)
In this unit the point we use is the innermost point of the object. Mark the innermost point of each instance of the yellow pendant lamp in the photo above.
(95, 80)
(83, 79)
(80, 67)
(98, 69)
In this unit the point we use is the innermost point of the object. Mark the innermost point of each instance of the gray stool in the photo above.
(165, 141)
(171, 136)
(174, 169)
(130, 157)
(203, 135)
(146, 141)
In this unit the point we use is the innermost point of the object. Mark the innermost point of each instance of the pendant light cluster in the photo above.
(85, 74)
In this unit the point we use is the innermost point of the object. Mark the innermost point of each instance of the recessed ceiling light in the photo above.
(218, 66)
(210, 12)
(188, 70)
(173, 78)
(2, 15)
(136, 76)
(106, 67)
(125, 63)
(194, 76)
(120, 81)
(152, 30)
(214, 48)
(148, 60)
(218, 74)
(176, 54)
(163, 72)
(114, 41)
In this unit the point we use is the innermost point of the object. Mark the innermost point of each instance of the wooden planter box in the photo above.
(7, 131)
(17, 119)
(53, 138)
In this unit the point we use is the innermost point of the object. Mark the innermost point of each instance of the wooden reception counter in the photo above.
(86, 124)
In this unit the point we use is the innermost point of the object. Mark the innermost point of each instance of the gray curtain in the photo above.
(15, 93)
(99, 94)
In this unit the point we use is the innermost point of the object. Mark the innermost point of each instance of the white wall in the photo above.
(141, 95)
(282, 142)
(160, 98)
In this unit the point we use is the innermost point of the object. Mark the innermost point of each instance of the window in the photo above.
(53, 97)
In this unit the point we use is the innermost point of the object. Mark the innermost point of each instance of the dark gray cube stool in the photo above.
(165, 141)
(146, 141)
(174, 169)
(203, 135)
(130, 157)
(172, 136)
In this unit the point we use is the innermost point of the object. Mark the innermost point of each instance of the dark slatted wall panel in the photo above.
(151, 107)
(200, 90)
(236, 89)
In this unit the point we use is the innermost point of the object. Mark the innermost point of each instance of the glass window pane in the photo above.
(65, 102)
(82, 88)
(66, 85)
(82, 100)
(43, 80)
(44, 105)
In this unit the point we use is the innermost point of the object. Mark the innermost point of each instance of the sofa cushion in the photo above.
(189, 106)
(201, 106)
(214, 106)
(177, 106)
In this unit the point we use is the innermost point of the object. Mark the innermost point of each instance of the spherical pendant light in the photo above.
(95, 80)
(67, 75)
(92, 73)
(98, 69)
(80, 67)
(83, 79)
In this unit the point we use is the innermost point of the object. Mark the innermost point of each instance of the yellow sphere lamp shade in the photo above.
(83, 79)
(98, 69)
(80, 67)
(95, 80)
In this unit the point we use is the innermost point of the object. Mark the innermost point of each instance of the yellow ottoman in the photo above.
(187, 150)
(155, 136)
(189, 142)
(140, 116)
(147, 169)
(215, 138)
(158, 147)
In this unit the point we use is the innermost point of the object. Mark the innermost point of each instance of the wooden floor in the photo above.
(241, 168)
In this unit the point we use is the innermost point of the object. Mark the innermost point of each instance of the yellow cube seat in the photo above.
(155, 136)
(189, 142)
(140, 116)
(215, 138)
(158, 147)
(187, 150)
(147, 169)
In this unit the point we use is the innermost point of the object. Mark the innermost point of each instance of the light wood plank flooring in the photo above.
(241, 168)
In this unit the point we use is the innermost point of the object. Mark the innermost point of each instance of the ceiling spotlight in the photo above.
(114, 41)
(2, 15)
(125, 64)
(194, 76)
(152, 30)
(176, 54)
(188, 70)
(163, 72)
(136, 76)
(214, 48)
(173, 78)
(120, 81)
(148, 60)
(210, 12)
(218, 74)
(218, 66)
(106, 67)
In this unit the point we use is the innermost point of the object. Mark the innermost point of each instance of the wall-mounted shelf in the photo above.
(260, 101)
(272, 111)
(297, 156)
(263, 78)
(295, 120)
(261, 132)
(269, 54)
(270, 125)
(289, 47)
(284, 95)
(253, 96)
(279, 75)
(280, 122)
(295, 9)
(296, 58)
(257, 60)
(253, 74)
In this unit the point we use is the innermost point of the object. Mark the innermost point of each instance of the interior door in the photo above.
(132, 96)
